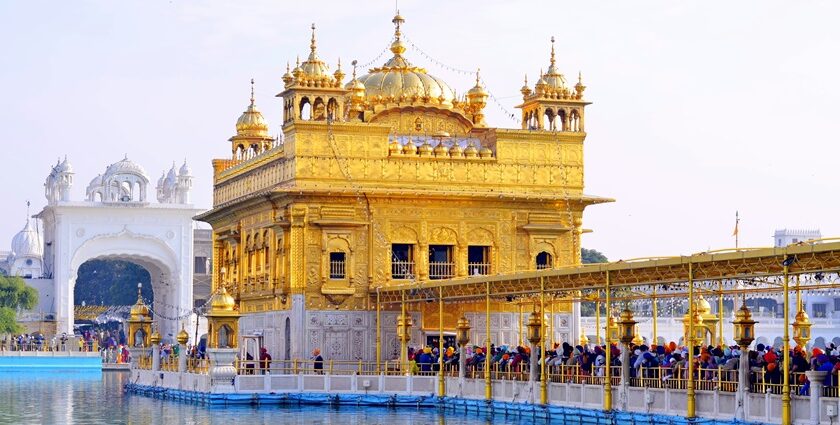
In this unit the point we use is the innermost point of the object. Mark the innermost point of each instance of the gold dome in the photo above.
(400, 81)
(251, 122)
(409, 148)
(440, 150)
(313, 66)
(139, 308)
(394, 147)
(485, 152)
(183, 336)
(702, 306)
(222, 301)
(456, 151)
(426, 149)
(471, 151)
(155, 338)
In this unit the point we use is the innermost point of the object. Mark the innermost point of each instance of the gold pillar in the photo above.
(655, 317)
(521, 341)
(598, 319)
(378, 334)
(690, 403)
(549, 340)
(608, 372)
(786, 345)
(441, 382)
(721, 339)
(543, 377)
(488, 389)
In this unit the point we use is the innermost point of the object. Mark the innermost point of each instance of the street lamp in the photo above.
(627, 326)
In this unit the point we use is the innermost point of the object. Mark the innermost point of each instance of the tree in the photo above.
(8, 321)
(589, 256)
(111, 282)
(15, 294)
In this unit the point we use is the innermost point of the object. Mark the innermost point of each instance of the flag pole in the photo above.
(735, 233)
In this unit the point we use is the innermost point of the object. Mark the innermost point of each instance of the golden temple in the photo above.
(389, 179)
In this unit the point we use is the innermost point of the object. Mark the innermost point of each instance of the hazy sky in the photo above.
(700, 108)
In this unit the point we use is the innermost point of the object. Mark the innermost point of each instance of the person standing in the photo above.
(265, 361)
(318, 361)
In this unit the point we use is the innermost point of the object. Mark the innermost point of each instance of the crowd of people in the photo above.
(656, 363)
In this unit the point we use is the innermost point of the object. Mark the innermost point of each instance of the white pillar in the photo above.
(156, 357)
(182, 358)
(743, 384)
(816, 378)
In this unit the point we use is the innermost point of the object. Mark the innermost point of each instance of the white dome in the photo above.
(125, 166)
(64, 167)
(96, 182)
(27, 243)
(185, 170)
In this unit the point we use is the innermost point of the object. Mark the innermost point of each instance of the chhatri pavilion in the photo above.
(391, 178)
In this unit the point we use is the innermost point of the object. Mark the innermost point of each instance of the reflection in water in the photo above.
(66, 397)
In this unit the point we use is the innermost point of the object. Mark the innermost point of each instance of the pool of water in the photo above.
(66, 397)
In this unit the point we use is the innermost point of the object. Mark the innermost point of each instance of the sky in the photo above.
(700, 109)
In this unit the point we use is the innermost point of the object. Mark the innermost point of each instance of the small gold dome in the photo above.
(139, 308)
(802, 317)
(183, 336)
(743, 313)
(252, 122)
(456, 151)
(222, 301)
(441, 150)
(409, 148)
(155, 338)
(471, 151)
(485, 152)
(426, 149)
(702, 306)
(394, 147)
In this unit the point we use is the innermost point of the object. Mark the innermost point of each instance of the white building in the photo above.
(785, 237)
(116, 220)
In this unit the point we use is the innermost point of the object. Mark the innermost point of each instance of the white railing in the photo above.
(475, 269)
(440, 270)
(337, 270)
(402, 269)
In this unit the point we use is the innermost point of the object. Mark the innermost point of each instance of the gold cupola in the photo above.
(222, 301)
(398, 85)
(251, 132)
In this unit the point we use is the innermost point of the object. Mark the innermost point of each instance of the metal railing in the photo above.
(441, 270)
(195, 365)
(475, 269)
(337, 269)
(402, 269)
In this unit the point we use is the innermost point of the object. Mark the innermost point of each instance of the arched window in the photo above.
(561, 117)
(332, 109)
(549, 117)
(305, 109)
(319, 112)
(139, 338)
(544, 260)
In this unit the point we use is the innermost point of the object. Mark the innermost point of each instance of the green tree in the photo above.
(8, 321)
(111, 282)
(14, 294)
(589, 256)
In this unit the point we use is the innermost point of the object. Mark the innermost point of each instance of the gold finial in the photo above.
(580, 77)
(552, 51)
(397, 21)
(477, 76)
(297, 62)
(526, 80)
(354, 63)
(252, 92)
(312, 43)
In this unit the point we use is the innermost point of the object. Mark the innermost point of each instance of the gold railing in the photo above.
(441, 270)
(169, 363)
(198, 365)
(144, 362)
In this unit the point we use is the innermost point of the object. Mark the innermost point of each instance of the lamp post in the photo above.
(801, 328)
(463, 329)
(744, 336)
(627, 329)
(534, 337)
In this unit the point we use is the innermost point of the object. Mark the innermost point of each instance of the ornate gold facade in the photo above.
(390, 178)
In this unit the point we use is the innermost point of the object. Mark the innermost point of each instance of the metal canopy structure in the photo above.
(743, 271)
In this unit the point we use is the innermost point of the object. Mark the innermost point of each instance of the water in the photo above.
(66, 397)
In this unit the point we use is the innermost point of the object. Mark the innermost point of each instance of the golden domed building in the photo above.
(386, 179)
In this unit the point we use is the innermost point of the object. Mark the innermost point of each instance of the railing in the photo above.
(144, 362)
(337, 270)
(441, 270)
(197, 365)
(402, 269)
(169, 363)
(475, 269)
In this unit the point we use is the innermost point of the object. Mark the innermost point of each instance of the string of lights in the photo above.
(450, 68)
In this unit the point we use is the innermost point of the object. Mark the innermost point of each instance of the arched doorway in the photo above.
(170, 301)
(105, 291)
